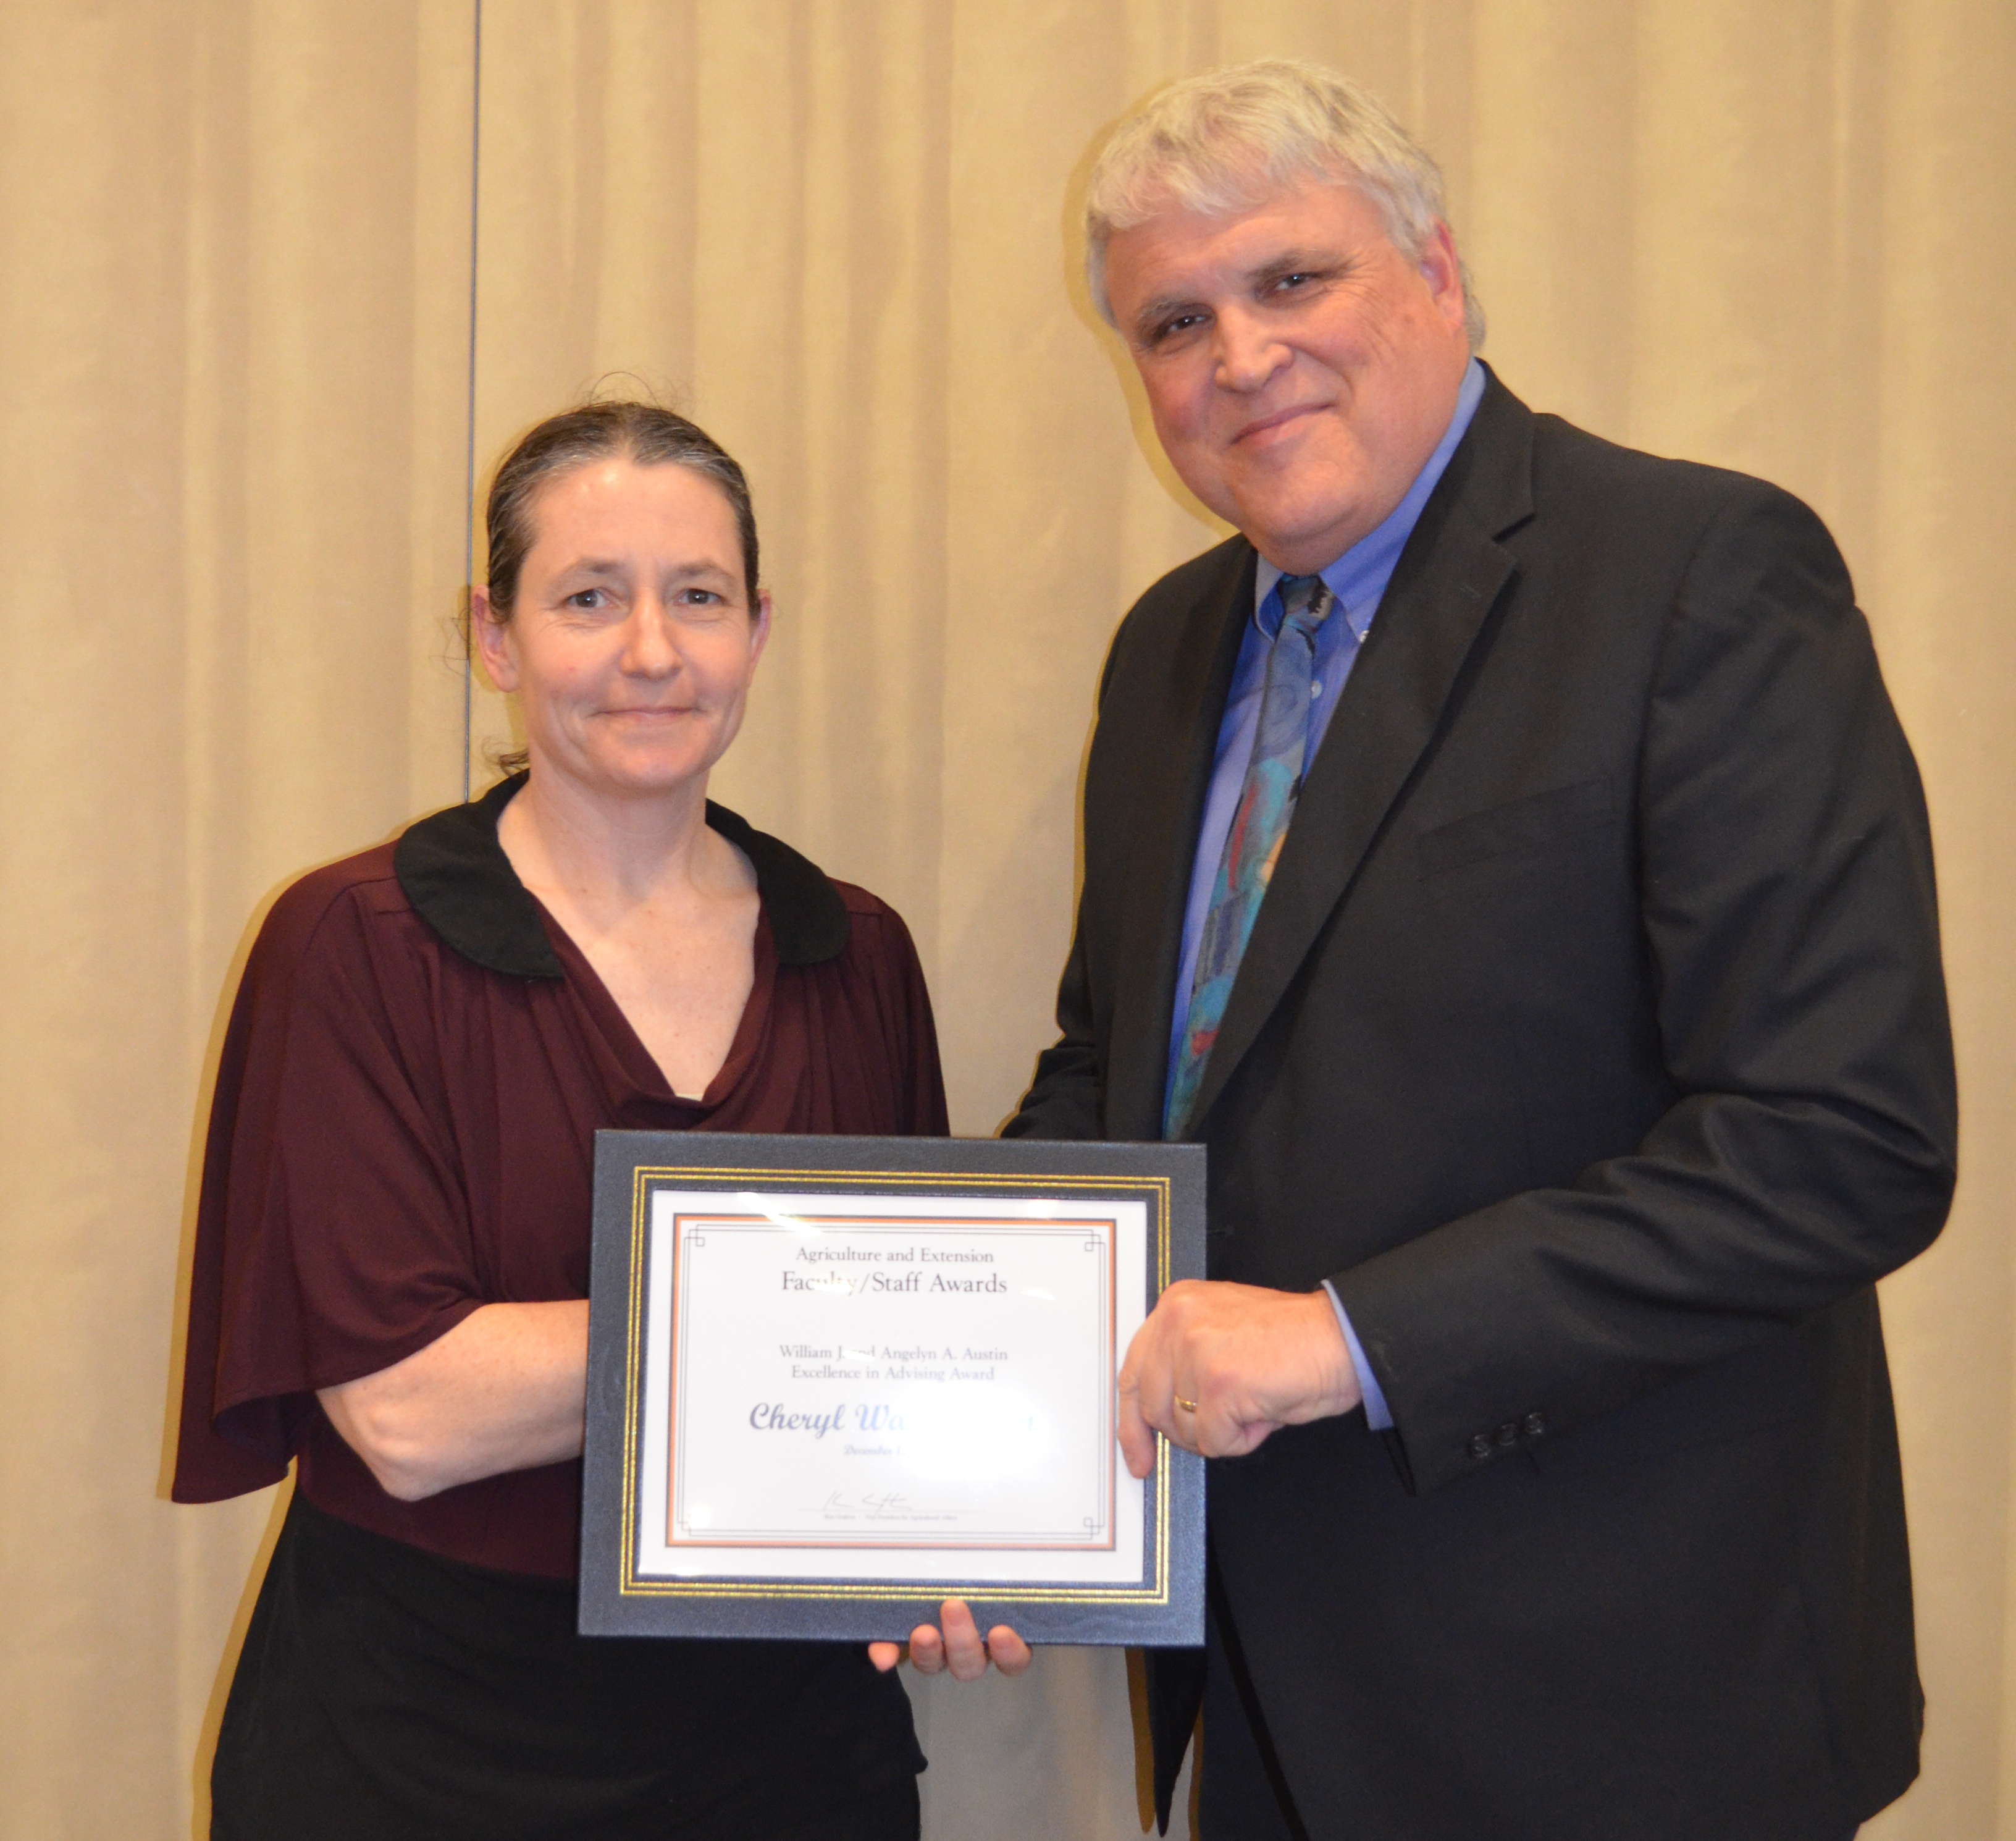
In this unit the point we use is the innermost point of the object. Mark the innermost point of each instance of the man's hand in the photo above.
(1217, 1367)
(959, 1649)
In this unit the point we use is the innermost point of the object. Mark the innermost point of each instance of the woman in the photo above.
(391, 1263)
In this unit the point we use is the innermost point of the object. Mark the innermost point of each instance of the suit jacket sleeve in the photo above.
(1787, 901)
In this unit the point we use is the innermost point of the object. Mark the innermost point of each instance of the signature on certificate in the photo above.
(889, 1505)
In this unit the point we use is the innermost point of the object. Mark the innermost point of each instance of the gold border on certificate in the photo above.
(1155, 1190)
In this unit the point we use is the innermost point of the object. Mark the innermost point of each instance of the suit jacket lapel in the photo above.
(1448, 578)
(1164, 844)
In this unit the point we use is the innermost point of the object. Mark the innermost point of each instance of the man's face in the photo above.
(1300, 368)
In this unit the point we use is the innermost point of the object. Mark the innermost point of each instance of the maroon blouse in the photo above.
(403, 1129)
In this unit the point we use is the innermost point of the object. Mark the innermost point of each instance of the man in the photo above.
(1584, 1065)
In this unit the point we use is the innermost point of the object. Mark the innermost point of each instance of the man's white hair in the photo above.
(1222, 142)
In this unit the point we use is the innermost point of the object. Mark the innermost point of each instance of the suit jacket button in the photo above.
(1480, 1447)
(1536, 1423)
(1508, 1434)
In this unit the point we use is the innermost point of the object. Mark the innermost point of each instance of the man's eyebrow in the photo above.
(1293, 261)
(1154, 312)
(1298, 262)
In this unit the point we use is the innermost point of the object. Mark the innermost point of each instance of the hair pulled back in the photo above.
(639, 432)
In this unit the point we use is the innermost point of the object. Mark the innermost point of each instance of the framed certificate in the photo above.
(834, 1381)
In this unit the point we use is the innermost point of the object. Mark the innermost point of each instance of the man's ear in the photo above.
(1442, 270)
(489, 638)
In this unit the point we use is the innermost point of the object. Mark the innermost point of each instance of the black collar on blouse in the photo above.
(461, 883)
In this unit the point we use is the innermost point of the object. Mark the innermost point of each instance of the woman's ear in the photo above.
(761, 637)
(490, 639)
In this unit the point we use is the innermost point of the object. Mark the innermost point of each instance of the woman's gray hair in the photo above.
(1221, 142)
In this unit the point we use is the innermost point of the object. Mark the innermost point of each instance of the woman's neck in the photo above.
(601, 857)
(664, 909)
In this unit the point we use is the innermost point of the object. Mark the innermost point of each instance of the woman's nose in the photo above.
(651, 649)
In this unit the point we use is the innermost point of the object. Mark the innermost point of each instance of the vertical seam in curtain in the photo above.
(469, 444)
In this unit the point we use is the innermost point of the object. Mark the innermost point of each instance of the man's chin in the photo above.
(1304, 550)
(1302, 532)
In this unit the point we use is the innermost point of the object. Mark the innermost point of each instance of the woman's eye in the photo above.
(699, 597)
(587, 597)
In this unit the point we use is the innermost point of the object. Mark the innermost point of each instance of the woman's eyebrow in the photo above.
(613, 567)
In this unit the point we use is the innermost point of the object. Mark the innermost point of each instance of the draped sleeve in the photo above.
(403, 1131)
(333, 1232)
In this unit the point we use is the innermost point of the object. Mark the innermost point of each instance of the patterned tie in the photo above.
(1266, 803)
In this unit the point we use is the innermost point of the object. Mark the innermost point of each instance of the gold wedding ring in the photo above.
(1187, 1406)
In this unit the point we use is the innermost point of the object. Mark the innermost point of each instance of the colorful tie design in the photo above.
(1266, 803)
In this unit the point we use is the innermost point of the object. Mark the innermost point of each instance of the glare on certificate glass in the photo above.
(797, 1224)
(1009, 1434)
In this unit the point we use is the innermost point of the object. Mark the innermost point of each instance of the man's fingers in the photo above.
(1137, 1438)
(885, 1656)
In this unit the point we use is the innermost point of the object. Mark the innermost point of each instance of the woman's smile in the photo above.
(633, 642)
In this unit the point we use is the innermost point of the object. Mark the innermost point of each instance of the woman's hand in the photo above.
(954, 1643)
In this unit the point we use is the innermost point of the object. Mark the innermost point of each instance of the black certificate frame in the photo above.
(1164, 1607)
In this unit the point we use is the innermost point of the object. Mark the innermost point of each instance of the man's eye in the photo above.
(1174, 327)
(698, 597)
(587, 597)
(1288, 284)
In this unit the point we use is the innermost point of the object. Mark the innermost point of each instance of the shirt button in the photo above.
(1315, 687)
(1536, 1423)
(1480, 1447)
(1508, 1434)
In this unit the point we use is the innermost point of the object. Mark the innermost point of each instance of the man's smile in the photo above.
(1258, 434)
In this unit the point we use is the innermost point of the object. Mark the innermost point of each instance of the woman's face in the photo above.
(633, 643)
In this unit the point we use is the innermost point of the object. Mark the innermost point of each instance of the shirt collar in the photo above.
(1359, 577)
(459, 882)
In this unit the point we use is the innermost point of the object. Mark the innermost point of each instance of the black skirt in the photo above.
(387, 1692)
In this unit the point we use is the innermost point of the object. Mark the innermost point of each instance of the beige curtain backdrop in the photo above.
(272, 272)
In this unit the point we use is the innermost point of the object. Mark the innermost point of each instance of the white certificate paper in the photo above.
(886, 1387)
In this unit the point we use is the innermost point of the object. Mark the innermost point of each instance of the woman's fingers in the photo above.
(954, 1643)
(885, 1656)
(965, 1653)
(1009, 1653)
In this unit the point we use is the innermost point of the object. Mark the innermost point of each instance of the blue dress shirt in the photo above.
(1357, 579)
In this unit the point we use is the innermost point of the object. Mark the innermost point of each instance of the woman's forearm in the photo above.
(503, 1390)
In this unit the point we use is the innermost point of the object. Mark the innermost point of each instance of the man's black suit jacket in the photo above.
(1592, 1040)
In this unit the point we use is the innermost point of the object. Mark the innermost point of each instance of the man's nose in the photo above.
(1249, 351)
